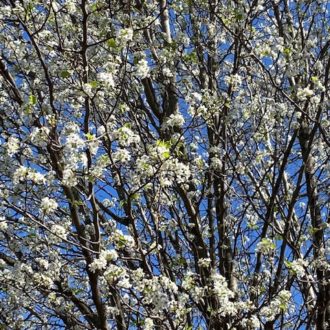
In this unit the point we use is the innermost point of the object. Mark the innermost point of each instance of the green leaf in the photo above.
(315, 79)
(65, 74)
(287, 263)
(165, 144)
(112, 43)
(135, 196)
(238, 15)
(166, 154)
(287, 52)
(89, 136)
(32, 99)
(94, 83)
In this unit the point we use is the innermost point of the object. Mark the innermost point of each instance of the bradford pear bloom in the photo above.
(251, 323)
(277, 305)
(174, 120)
(106, 78)
(12, 145)
(98, 264)
(121, 155)
(101, 130)
(69, 178)
(142, 70)
(3, 224)
(154, 156)
(102, 260)
(74, 141)
(59, 230)
(125, 35)
(23, 173)
(42, 280)
(167, 72)
(126, 136)
(297, 267)
(265, 246)
(304, 93)
(234, 81)
(39, 136)
(220, 287)
(148, 324)
(20, 174)
(43, 263)
(48, 205)
(204, 262)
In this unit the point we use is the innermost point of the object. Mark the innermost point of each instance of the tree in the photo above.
(165, 164)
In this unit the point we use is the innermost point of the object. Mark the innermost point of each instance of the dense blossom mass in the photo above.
(164, 164)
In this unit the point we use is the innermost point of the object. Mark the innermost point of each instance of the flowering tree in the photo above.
(164, 164)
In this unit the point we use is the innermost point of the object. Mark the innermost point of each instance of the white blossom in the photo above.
(148, 324)
(265, 246)
(298, 267)
(69, 178)
(48, 205)
(304, 93)
(3, 224)
(174, 120)
(12, 145)
(142, 68)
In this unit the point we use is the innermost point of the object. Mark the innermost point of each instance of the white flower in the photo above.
(36, 177)
(12, 145)
(106, 78)
(39, 136)
(55, 6)
(109, 255)
(24, 173)
(124, 283)
(148, 324)
(42, 279)
(220, 287)
(3, 224)
(234, 80)
(48, 205)
(101, 130)
(20, 174)
(69, 178)
(142, 68)
(98, 264)
(253, 322)
(298, 267)
(101, 262)
(74, 141)
(93, 146)
(125, 35)
(59, 230)
(167, 72)
(121, 155)
(265, 246)
(268, 313)
(126, 136)
(174, 120)
(43, 263)
(284, 296)
(304, 93)
(115, 273)
(197, 97)
(71, 6)
(204, 262)
(122, 240)
(216, 163)
(277, 305)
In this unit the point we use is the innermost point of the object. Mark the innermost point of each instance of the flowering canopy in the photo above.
(164, 164)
